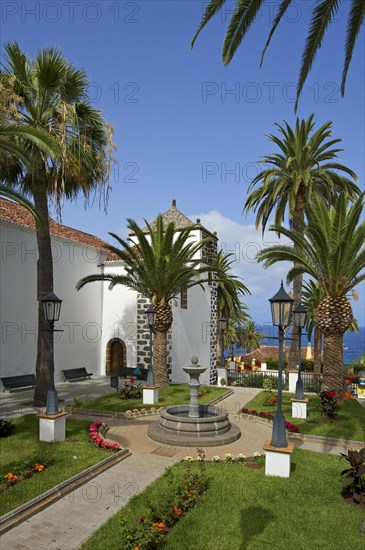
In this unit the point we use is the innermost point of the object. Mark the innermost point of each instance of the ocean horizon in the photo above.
(353, 343)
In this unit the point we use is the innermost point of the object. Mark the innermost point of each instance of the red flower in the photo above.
(331, 394)
(132, 380)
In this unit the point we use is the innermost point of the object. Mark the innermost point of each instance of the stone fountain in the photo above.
(194, 425)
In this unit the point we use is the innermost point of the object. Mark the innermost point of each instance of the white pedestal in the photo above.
(52, 427)
(263, 366)
(150, 395)
(221, 373)
(293, 378)
(278, 460)
(299, 408)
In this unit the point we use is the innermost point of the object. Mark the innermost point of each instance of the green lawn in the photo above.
(245, 510)
(350, 424)
(23, 450)
(175, 394)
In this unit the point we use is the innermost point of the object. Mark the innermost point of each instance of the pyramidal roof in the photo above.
(174, 215)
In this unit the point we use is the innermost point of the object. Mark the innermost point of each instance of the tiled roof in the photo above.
(13, 212)
(264, 352)
(174, 215)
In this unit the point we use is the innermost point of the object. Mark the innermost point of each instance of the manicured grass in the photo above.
(23, 450)
(244, 509)
(349, 425)
(175, 394)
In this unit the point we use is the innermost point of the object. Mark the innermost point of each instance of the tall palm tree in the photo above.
(323, 14)
(229, 289)
(313, 295)
(306, 165)
(18, 197)
(332, 252)
(51, 95)
(157, 265)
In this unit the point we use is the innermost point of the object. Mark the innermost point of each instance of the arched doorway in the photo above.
(115, 357)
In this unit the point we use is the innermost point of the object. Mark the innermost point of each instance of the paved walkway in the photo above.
(66, 524)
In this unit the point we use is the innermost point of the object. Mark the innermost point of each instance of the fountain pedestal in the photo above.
(194, 424)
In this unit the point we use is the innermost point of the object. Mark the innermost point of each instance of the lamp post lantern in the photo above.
(281, 309)
(299, 314)
(151, 318)
(223, 323)
(52, 309)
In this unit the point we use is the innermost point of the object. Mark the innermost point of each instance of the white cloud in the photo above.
(244, 242)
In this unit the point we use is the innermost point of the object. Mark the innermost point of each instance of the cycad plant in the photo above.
(50, 95)
(331, 250)
(158, 264)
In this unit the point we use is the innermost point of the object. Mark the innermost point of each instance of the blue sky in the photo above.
(186, 126)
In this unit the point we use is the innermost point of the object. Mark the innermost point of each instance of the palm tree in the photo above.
(234, 334)
(229, 289)
(157, 265)
(18, 197)
(332, 252)
(313, 295)
(305, 166)
(51, 95)
(251, 336)
(323, 14)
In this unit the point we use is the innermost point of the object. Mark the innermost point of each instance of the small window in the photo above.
(184, 299)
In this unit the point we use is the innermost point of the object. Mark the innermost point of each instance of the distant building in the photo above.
(103, 330)
(265, 352)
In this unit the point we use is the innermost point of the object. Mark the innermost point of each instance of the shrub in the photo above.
(359, 363)
(7, 428)
(131, 390)
(254, 380)
(329, 404)
(354, 477)
(270, 383)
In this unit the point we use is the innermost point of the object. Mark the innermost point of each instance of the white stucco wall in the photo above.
(81, 313)
(190, 334)
(119, 317)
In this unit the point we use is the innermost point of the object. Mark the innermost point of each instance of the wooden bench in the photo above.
(20, 381)
(127, 372)
(73, 374)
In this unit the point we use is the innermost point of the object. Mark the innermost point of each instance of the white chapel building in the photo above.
(103, 330)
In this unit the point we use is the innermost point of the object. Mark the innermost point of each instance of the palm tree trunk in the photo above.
(333, 363)
(160, 358)
(317, 352)
(44, 364)
(297, 284)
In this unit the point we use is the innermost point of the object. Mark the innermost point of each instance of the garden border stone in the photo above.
(21, 513)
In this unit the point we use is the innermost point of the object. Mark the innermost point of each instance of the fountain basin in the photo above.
(211, 428)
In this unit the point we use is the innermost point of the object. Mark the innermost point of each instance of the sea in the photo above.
(353, 342)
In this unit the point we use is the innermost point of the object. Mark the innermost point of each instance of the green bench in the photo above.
(74, 374)
(20, 381)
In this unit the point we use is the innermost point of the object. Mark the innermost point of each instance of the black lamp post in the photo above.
(52, 309)
(223, 326)
(151, 317)
(299, 314)
(281, 309)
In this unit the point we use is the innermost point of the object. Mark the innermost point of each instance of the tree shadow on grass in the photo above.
(254, 520)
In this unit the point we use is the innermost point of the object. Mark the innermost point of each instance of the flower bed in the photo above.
(11, 479)
(95, 430)
(133, 413)
(268, 416)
